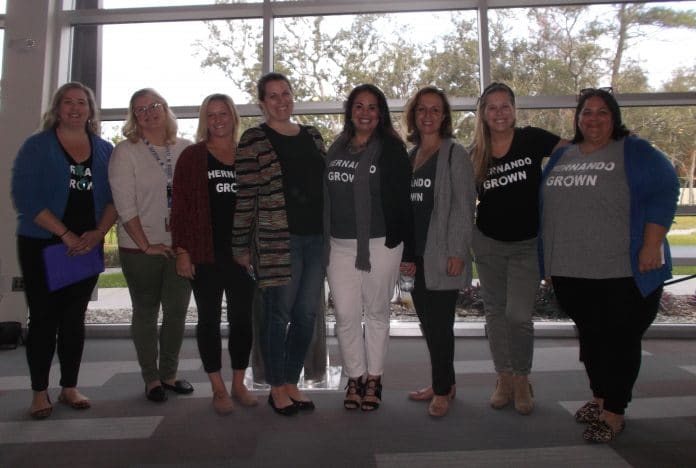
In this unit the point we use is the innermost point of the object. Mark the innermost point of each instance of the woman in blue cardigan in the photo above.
(608, 201)
(61, 192)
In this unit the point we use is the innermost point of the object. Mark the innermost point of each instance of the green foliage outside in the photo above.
(564, 50)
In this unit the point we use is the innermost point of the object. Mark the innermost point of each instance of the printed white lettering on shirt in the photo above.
(220, 173)
(508, 166)
(577, 180)
(504, 180)
(591, 166)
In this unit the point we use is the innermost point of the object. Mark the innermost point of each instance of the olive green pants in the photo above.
(152, 281)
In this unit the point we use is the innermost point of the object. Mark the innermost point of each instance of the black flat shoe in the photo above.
(285, 411)
(182, 387)
(303, 405)
(156, 394)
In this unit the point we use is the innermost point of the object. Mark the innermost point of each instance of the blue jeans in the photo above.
(284, 346)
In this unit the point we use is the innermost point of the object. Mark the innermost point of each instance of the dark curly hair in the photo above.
(619, 131)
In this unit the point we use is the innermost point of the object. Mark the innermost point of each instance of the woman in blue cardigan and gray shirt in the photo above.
(61, 193)
(608, 201)
(443, 198)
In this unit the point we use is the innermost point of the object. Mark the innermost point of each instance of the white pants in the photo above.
(356, 292)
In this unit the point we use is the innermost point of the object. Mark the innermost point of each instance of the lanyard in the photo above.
(166, 168)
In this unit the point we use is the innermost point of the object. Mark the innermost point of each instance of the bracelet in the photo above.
(63, 235)
(181, 253)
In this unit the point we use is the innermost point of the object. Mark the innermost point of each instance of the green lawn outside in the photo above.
(111, 280)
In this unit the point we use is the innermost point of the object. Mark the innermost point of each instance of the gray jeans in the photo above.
(509, 276)
(152, 280)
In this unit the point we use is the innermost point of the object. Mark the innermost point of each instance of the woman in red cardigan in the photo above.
(203, 204)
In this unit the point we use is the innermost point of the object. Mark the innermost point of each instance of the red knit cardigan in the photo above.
(190, 223)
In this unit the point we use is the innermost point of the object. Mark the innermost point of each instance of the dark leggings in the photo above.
(209, 283)
(435, 310)
(55, 318)
(611, 316)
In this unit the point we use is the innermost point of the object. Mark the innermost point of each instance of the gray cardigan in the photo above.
(452, 218)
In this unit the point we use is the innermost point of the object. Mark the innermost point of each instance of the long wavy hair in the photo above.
(480, 148)
(618, 131)
(51, 118)
(131, 129)
(409, 116)
(385, 128)
(202, 133)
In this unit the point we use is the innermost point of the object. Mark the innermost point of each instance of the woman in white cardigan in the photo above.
(443, 200)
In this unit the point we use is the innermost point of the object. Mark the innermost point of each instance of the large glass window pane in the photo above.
(634, 48)
(184, 61)
(672, 130)
(166, 3)
(326, 56)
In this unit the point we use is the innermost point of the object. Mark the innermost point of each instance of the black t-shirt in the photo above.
(222, 192)
(422, 201)
(79, 214)
(303, 172)
(509, 197)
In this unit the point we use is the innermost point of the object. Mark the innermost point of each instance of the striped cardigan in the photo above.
(260, 210)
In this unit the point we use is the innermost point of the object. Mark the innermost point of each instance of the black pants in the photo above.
(611, 316)
(55, 318)
(208, 285)
(435, 310)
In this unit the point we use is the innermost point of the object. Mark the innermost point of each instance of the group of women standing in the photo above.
(277, 211)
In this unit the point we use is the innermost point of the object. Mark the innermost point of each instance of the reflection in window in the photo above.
(328, 55)
(192, 65)
(559, 50)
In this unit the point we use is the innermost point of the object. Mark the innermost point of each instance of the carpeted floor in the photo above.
(125, 430)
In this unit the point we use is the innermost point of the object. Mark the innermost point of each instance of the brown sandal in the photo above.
(354, 394)
(372, 394)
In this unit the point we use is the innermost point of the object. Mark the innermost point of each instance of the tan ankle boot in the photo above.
(503, 391)
(524, 395)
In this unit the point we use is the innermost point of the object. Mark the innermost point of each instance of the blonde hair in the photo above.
(480, 148)
(202, 133)
(51, 118)
(131, 129)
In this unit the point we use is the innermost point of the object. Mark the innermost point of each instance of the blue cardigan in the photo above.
(41, 178)
(653, 190)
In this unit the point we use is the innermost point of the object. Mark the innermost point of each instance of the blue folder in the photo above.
(63, 270)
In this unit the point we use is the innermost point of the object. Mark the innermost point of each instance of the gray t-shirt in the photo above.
(586, 215)
(340, 178)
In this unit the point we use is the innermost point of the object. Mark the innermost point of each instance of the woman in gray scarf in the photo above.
(369, 222)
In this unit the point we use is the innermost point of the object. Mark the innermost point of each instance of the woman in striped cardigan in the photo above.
(280, 165)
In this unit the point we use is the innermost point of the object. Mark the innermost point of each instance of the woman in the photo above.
(61, 193)
(608, 202)
(205, 190)
(279, 169)
(443, 200)
(370, 225)
(140, 173)
(507, 168)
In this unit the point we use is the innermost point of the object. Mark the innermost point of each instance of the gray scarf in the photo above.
(361, 198)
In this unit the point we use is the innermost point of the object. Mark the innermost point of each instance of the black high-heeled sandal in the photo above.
(354, 394)
(372, 394)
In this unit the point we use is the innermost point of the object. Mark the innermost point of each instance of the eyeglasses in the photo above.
(140, 110)
(606, 89)
(83, 182)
